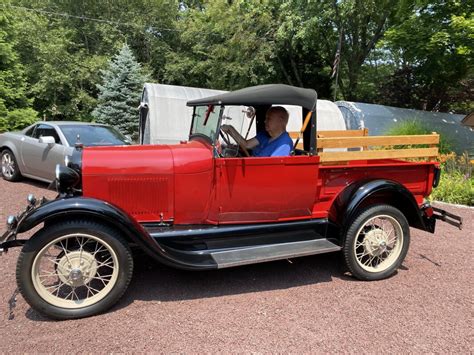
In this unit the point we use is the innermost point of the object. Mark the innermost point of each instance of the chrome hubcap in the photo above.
(77, 268)
(8, 165)
(375, 242)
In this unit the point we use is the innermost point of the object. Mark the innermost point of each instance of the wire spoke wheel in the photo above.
(379, 243)
(376, 242)
(75, 270)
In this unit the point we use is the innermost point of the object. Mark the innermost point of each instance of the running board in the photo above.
(263, 253)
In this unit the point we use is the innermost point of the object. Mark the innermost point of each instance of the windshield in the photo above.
(206, 121)
(93, 135)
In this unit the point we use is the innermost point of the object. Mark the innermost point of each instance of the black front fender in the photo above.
(83, 207)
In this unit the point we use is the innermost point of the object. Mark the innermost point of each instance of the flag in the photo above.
(335, 65)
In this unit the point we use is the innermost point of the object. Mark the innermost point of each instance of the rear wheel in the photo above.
(376, 242)
(10, 170)
(74, 269)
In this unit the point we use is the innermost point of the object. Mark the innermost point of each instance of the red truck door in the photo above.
(265, 189)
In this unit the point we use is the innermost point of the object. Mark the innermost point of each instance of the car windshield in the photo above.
(91, 135)
(206, 121)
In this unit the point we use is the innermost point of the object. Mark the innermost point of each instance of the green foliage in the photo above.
(433, 51)
(120, 93)
(222, 47)
(457, 181)
(14, 104)
(408, 53)
(64, 44)
(414, 127)
(20, 118)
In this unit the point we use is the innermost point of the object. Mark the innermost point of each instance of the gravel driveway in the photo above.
(303, 305)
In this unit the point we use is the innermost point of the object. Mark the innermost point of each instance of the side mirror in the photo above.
(47, 140)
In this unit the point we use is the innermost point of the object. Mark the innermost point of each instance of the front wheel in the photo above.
(10, 169)
(376, 242)
(74, 269)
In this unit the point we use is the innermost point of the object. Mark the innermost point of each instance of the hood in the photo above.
(141, 179)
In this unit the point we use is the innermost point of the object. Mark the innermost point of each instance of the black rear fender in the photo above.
(357, 196)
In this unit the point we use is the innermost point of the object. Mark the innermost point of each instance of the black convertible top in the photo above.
(263, 95)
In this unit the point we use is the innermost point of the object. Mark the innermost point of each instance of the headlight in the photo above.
(66, 177)
(11, 222)
(31, 199)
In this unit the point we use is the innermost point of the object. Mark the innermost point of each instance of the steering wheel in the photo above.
(246, 152)
(225, 137)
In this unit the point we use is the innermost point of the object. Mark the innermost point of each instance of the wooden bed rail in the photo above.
(329, 134)
(405, 151)
(333, 133)
(373, 147)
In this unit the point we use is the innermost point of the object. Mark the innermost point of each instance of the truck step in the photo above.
(263, 253)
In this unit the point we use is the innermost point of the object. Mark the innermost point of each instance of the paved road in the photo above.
(306, 305)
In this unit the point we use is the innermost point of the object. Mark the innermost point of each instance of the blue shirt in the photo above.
(279, 147)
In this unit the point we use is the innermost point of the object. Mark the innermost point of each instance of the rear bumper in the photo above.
(447, 217)
(430, 214)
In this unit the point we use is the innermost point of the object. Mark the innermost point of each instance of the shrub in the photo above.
(457, 180)
(18, 119)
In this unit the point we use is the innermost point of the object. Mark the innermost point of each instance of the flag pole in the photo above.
(337, 61)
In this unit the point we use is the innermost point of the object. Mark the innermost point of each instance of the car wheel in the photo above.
(10, 169)
(74, 269)
(376, 242)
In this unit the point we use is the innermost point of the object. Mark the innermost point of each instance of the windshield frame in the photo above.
(212, 140)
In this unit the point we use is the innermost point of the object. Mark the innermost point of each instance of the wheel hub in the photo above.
(7, 165)
(375, 242)
(77, 268)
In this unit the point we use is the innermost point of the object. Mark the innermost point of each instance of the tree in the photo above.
(434, 45)
(64, 44)
(120, 93)
(15, 110)
(222, 46)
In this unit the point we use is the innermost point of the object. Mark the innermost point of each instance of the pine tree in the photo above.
(120, 93)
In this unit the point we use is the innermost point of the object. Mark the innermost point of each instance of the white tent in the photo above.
(165, 118)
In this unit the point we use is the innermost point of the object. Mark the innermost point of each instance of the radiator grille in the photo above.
(141, 195)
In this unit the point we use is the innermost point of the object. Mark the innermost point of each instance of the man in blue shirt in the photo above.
(275, 142)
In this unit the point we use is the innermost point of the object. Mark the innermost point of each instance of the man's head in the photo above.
(276, 120)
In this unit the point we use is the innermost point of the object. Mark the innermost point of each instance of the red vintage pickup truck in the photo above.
(207, 204)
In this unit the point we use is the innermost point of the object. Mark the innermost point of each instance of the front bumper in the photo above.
(8, 238)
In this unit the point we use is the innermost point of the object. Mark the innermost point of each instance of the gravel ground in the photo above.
(306, 305)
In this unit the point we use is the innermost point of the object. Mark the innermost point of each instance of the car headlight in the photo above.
(66, 177)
